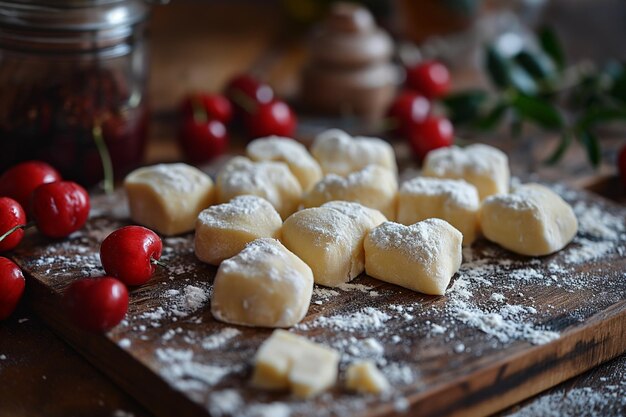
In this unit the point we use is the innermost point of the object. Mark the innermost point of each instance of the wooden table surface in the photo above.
(199, 46)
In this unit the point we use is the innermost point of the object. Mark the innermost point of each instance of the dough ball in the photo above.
(223, 230)
(533, 220)
(454, 201)
(168, 197)
(329, 241)
(294, 154)
(422, 257)
(373, 186)
(338, 153)
(264, 285)
(271, 180)
(484, 166)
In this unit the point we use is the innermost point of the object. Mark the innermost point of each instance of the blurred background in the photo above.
(80, 76)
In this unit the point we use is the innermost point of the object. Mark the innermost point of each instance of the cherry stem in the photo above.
(157, 262)
(199, 113)
(17, 227)
(242, 99)
(105, 157)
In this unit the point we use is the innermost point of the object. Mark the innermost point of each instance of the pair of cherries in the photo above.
(203, 134)
(129, 257)
(58, 208)
(411, 110)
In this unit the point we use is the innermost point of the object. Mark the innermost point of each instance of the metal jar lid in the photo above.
(68, 25)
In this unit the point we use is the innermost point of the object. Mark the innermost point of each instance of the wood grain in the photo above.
(585, 303)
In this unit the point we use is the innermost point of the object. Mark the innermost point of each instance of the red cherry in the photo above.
(250, 87)
(212, 106)
(96, 304)
(130, 254)
(431, 78)
(11, 287)
(408, 107)
(203, 141)
(275, 118)
(19, 181)
(434, 132)
(60, 208)
(621, 164)
(11, 215)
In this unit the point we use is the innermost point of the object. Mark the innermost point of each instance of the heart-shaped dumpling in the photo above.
(264, 285)
(168, 197)
(339, 153)
(485, 167)
(373, 186)
(533, 220)
(271, 180)
(287, 150)
(422, 257)
(223, 230)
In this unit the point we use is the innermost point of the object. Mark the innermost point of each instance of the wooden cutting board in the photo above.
(508, 327)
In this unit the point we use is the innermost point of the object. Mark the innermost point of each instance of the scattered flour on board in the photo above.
(179, 369)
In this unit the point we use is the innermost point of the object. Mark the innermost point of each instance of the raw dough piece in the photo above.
(330, 240)
(264, 285)
(223, 230)
(270, 180)
(288, 361)
(422, 257)
(364, 377)
(373, 186)
(168, 197)
(287, 150)
(339, 153)
(484, 166)
(533, 220)
(454, 201)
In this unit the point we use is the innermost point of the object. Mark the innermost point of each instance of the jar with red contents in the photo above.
(72, 76)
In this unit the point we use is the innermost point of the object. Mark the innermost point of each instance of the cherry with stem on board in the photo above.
(131, 254)
(96, 304)
(19, 181)
(12, 223)
(12, 285)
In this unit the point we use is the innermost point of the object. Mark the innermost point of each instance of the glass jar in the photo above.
(72, 73)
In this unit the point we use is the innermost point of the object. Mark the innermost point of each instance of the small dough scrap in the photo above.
(373, 186)
(365, 378)
(268, 179)
(533, 220)
(223, 230)
(484, 166)
(264, 285)
(422, 257)
(168, 197)
(287, 150)
(330, 239)
(289, 361)
(454, 201)
(339, 153)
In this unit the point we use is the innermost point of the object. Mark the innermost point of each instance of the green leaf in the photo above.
(566, 141)
(465, 106)
(592, 146)
(538, 111)
(552, 46)
(497, 67)
(505, 73)
(537, 64)
(595, 115)
(492, 118)
(522, 81)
